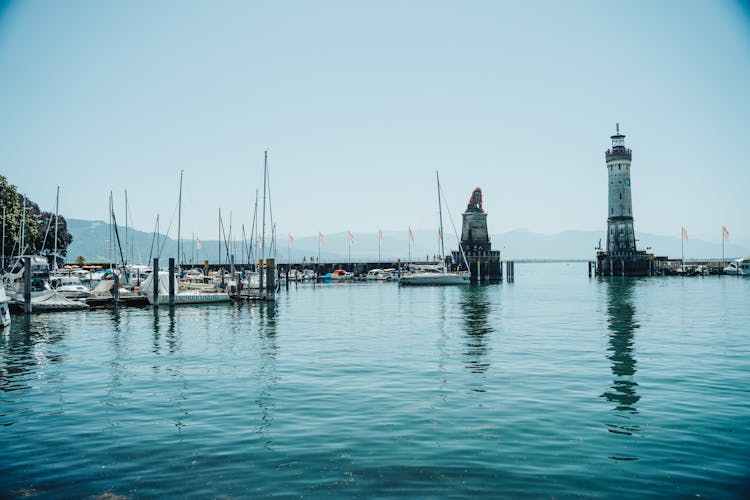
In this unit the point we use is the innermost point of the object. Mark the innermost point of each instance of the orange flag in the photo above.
(684, 234)
(411, 235)
(724, 233)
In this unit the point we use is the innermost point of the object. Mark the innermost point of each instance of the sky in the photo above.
(360, 103)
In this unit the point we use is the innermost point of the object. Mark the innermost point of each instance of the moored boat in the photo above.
(182, 295)
(738, 266)
(4, 310)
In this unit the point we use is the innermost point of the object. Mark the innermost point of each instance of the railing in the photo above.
(619, 152)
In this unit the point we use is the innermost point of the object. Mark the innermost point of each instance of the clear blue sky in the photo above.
(360, 102)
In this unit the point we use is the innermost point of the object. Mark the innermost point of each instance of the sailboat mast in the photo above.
(179, 223)
(263, 231)
(111, 231)
(2, 263)
(440, 212)
(21, 247)
(127, 256)
(57, 210)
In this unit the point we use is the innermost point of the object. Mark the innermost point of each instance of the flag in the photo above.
(440, 235)
(291, 240)
(411, 235)
(684, 234)
(351, 237)
(320, 238)
(724, 233)
(198, 243)
(380, 235)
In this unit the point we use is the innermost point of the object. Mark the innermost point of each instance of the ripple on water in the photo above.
(554, 385)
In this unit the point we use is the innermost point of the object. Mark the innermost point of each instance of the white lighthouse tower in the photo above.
(621, 256)
(620, 232)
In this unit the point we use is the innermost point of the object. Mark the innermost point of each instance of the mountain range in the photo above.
(91, 241)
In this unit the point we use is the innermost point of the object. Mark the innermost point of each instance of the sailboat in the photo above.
(437, 275)
(184, 294)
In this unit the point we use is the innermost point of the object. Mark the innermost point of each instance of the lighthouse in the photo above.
(620, 232)
(621, 256)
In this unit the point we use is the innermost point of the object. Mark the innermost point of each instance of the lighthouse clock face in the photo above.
(627, 181)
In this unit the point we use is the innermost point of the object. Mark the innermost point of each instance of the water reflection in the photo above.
(28, 347)
(622, 325)
(267, 368)
(475, 308)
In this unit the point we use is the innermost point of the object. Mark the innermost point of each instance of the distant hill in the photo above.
(91, 240)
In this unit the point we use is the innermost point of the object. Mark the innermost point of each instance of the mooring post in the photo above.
(611, 267)
(270, 275)
(171, 282)
(231, 270)
(27, 284)
(260, 278)
(479, 270)
(589, 269)
(287, 275)
(398, 269)
(116, 289)
(155, 276)
(205, 271)
(622, 267)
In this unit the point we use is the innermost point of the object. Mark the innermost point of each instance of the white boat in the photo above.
(182, 295)
(4, 310)
(14, 280)
(52, 301)
(437, 275)
(70, 287)
(381, 274)
(738, 266)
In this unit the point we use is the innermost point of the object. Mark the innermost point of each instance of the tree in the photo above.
(40, 225)
(80, 261)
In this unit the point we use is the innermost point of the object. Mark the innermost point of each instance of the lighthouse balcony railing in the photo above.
(619, 152)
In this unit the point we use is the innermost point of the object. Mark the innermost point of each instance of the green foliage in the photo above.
(80, 261)
(40, 225)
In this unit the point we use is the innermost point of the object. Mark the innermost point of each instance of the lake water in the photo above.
(555, 385)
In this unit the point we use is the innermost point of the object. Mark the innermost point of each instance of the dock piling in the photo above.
(155, 275)
(27, 284)
(171, 282)
(116, 289)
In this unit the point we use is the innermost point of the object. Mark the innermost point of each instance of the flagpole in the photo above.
(682, 248)
(320, 237)
(380, 236)
(350, 248)
(409, 238)
(722, 244)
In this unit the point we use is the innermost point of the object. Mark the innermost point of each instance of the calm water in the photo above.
(557, 385)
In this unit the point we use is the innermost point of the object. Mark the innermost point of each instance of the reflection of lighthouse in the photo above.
(621, 256)
(484, 263)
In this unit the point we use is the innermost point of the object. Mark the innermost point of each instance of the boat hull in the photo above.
(434, 279)
(191, 298)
